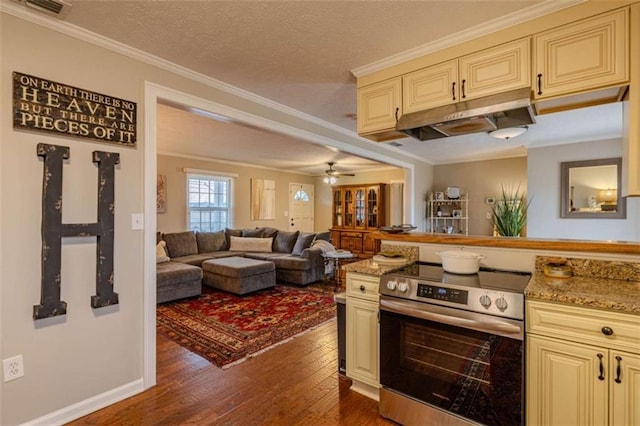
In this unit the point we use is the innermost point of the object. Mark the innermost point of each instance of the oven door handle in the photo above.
(479, 322)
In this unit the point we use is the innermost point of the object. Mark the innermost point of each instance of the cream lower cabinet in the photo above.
(362, 330)
(576, 372)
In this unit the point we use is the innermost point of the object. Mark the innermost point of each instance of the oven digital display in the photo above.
(441, 293)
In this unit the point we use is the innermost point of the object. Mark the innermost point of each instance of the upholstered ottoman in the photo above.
(238, 275)
(176, 280)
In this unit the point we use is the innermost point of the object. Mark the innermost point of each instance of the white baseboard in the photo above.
(89, 405)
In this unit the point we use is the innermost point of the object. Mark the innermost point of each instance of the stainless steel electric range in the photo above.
(451, 346)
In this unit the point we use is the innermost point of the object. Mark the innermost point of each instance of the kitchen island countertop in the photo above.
(369, 267)
(598, 293)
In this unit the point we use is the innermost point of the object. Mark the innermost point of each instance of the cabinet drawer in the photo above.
(584, 325)
(363, 286)
(352, 234)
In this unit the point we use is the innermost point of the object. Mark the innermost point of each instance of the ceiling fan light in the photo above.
(333, 180)
(325, 179)
(508, 132)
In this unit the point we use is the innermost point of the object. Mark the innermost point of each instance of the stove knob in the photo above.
(485, 301)
(391, 285)
(403, 287)
(501, 303)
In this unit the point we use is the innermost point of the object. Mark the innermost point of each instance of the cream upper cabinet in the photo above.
(430, 87)
(583, 366)
(379, 107)
(487, 72)
(586, 55)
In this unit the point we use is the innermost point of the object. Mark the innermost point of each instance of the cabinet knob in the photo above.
(362, 288)
(607, 331)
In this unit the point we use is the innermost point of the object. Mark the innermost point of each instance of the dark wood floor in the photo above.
(292, 384)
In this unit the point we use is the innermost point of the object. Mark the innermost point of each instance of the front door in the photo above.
(301, 207)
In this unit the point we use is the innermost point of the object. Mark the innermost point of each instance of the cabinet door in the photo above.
(348, 214)
(625, 388)
(498, 69)
(379, 106)
(589, 54)
(563, 387)
(362, 341)
(360, 208)
(430, 87)
(337, 208)
(369, 245)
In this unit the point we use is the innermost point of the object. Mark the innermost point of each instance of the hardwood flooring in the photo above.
(296, 383)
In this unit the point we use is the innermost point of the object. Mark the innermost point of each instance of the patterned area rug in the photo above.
(227, 329)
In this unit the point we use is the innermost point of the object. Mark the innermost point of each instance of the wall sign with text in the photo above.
(47, 106)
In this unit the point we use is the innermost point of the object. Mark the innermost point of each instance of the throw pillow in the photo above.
(231, 233)
(211, 241)
(254, 233)
(161, 254)
(269, 232)
(303, 242)
(284, 241)
(256, 245)
(181, 243)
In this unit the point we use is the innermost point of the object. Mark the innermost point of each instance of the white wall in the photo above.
(544, 185)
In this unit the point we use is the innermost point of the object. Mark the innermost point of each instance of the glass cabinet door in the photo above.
(372, 208)
(360, 208)
(349, 206)
(337, 207)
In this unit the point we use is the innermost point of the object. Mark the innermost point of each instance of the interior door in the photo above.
(301, 207)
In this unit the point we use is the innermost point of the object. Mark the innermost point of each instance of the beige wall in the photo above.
(175, 220)
(481, 179)
(324, 193)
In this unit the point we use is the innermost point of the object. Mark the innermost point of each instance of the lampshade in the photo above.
(508, 132)
(608, 195)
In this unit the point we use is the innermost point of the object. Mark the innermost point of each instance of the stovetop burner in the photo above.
(496, 279)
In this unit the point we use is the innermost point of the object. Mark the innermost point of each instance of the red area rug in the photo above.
(227, 329)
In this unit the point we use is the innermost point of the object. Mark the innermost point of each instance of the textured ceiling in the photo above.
(300, 54)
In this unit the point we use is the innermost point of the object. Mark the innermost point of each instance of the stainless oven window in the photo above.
(469, 373)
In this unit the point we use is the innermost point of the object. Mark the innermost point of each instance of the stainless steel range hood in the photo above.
(509, 109)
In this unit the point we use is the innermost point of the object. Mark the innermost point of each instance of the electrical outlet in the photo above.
(12, 368)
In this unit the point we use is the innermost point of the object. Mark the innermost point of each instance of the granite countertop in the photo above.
(370, 267)
(589, 292)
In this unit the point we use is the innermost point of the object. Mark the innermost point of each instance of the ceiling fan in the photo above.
(333, 175)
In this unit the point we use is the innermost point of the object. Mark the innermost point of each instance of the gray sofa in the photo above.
(180, 275)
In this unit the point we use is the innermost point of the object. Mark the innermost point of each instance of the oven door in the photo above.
(467, 364)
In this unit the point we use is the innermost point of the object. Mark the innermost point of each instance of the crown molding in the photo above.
(510, 20)
(22, 12)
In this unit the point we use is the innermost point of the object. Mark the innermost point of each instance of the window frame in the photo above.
(211, 177)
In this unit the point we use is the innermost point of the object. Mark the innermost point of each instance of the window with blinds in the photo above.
(209, 202)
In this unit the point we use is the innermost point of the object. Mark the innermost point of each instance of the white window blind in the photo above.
(209, 202)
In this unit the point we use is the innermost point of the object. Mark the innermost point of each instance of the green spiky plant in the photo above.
(509, 212)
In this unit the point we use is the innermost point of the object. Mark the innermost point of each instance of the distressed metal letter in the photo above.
(53, 230)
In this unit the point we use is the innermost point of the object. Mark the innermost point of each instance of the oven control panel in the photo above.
(441, 293)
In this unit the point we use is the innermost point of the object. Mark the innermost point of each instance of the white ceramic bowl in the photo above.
(460, 261)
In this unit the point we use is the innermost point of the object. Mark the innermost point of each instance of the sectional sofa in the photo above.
(180, 256)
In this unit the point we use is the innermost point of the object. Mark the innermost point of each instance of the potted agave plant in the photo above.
(509, 212)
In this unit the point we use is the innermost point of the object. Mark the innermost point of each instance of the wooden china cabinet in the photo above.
(357, 210)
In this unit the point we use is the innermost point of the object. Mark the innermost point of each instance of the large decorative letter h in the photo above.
(53, 230)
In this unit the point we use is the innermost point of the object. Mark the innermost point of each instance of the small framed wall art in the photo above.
(439, 196)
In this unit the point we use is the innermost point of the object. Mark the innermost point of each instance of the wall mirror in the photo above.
(591, 189)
